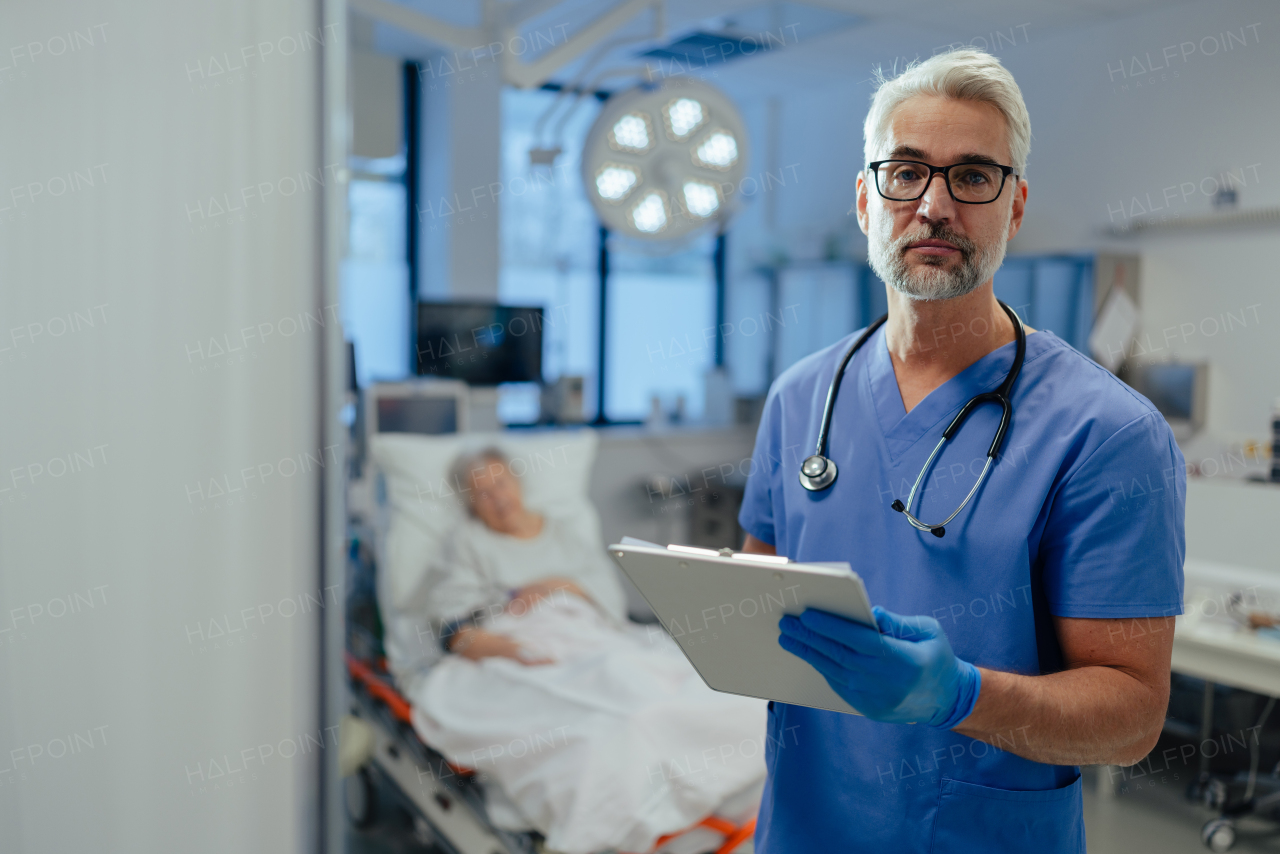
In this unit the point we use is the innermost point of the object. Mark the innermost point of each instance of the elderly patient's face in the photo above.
(495, 496)
(940, 131)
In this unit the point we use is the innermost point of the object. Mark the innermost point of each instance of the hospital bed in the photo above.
(454, 809)
(450, 802)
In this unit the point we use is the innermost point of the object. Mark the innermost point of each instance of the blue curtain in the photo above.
(1051, 292)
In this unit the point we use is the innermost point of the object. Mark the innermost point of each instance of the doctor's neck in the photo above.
(930, 341)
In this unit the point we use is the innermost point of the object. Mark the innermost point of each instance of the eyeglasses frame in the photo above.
(1005, 172)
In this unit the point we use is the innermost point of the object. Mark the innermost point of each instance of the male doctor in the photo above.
(1034, 636)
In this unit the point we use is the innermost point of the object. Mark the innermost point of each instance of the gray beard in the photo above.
(978, 263)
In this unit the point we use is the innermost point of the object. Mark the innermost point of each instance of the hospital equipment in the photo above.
(456, 809)
(818, 472)
(722, 608)
(662, 162)
(1212, 642)
(713, 516)
(1179, 390)
(481, 343)
(1275, 442)
(562, 400)
(425, 406)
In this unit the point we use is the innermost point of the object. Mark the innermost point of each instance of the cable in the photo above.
(558, 132)
(1255, 749)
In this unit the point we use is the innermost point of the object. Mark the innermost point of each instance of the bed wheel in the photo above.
(361, 798)
(1219, 834)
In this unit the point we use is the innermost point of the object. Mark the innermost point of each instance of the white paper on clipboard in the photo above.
(723, 610)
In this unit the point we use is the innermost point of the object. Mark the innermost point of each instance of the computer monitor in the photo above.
(480, 343)
(420, 406)
(427, 407)
(1178, 390)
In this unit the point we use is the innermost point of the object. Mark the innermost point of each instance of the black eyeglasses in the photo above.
(968, 183)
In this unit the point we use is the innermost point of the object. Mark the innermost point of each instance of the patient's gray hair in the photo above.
(471, 463)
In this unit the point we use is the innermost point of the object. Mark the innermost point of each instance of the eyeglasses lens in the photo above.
(904, 180)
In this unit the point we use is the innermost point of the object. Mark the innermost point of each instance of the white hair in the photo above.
(467, 465)
(965, 74)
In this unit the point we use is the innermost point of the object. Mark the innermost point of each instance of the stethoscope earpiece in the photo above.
(817, 472)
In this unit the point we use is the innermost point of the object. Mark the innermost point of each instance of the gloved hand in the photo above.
(905, 673)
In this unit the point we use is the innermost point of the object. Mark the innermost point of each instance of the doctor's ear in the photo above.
(860, 201)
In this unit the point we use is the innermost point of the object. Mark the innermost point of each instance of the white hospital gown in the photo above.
(616, 743)
(480, 566)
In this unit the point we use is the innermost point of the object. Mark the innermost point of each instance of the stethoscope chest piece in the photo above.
(817, 473)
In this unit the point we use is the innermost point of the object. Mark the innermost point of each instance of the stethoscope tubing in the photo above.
(835, 383)
(826, 468)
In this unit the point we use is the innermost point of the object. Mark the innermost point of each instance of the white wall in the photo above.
(162, 283)
(1100, 147)
(1231, 523)
(1095, 147)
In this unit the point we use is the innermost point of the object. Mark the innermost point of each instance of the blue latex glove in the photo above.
(905, 673)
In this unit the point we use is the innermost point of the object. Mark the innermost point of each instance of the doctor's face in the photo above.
(935, 248)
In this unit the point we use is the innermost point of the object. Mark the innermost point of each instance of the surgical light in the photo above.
(701, 199)
(650, 215)
(719, 151)
(631, 133)
(664, 161)
(683, 116)
(614, 182)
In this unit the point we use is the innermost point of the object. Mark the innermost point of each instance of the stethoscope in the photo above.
(818, 472)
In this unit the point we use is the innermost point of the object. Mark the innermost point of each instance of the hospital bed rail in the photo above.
(447, 802)
(448, 797)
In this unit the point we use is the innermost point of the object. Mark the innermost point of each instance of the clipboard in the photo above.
(722, 608)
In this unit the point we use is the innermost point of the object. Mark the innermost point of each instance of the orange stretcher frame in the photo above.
(379, 686)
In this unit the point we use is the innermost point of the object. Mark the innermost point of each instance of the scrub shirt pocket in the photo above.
(973, 818)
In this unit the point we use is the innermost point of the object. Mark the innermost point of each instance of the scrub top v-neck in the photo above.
(1081, 516)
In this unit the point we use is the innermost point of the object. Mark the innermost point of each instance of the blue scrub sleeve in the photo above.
(1113, 544)
(756, 516)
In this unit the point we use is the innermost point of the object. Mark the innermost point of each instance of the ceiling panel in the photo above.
(819, 38)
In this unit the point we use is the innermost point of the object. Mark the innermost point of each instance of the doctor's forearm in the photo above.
(1092, 715)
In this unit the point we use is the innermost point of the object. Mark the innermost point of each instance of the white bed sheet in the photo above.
(612, 746)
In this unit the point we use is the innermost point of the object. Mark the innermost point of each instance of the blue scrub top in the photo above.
(1081, 517)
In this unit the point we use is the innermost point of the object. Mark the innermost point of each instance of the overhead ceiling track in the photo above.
(501, 26)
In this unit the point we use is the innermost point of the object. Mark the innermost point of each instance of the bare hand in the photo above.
(476, 644)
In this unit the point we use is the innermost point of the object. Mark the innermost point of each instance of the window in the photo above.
(661, 329)
(660, 307)
(548, 241)
(375, 279)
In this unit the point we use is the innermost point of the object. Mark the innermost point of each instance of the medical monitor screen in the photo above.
(480, 343)
(430, 416)
(1171, 388)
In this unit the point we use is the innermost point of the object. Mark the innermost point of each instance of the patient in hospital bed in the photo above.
(597, 729)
